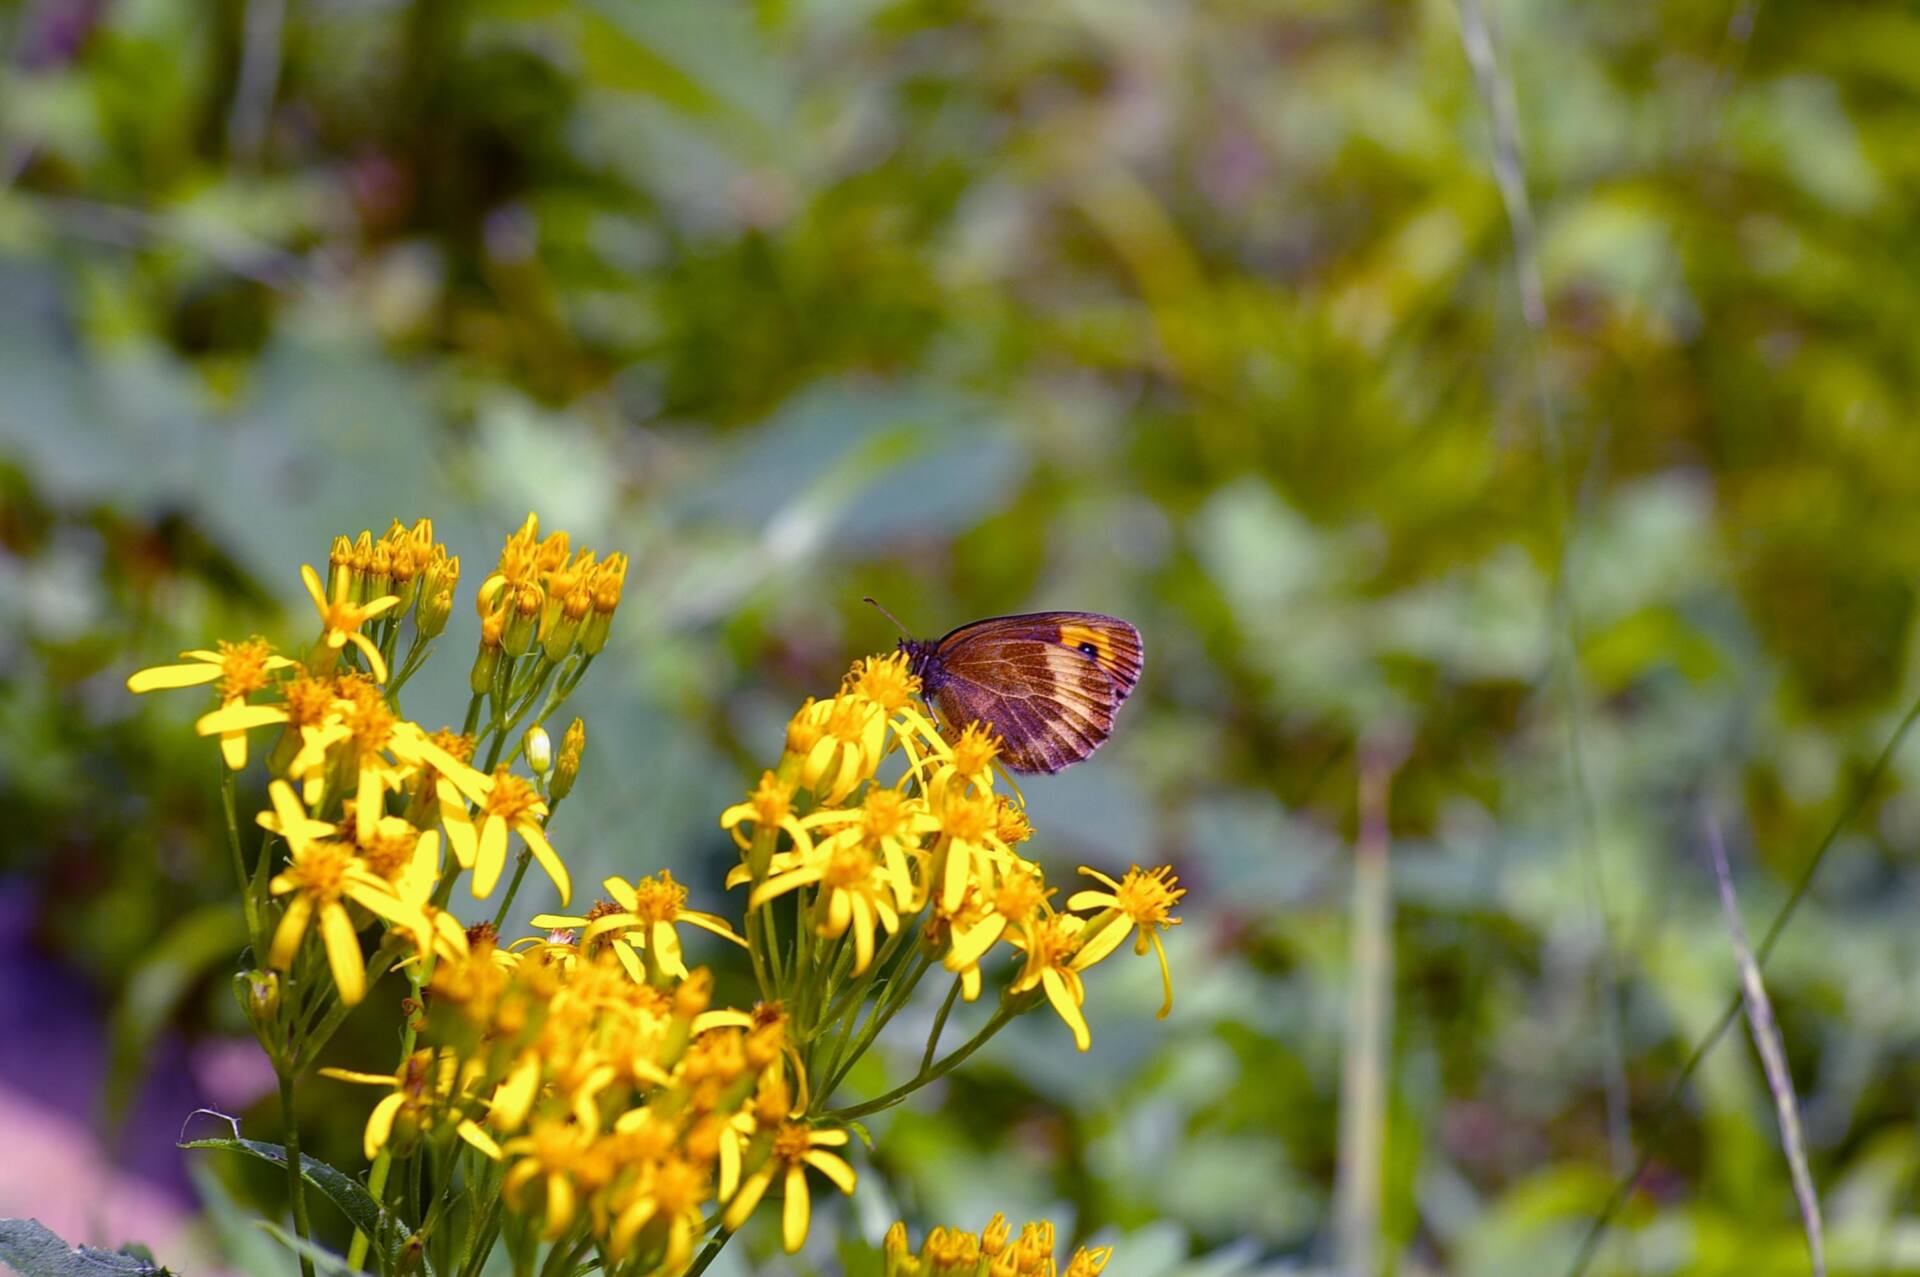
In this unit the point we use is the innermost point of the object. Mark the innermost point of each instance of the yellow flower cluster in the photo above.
(865, 855)
(361, 796)
(545, 593)
(992, 1252)
(620, 1104)
(581, 1075)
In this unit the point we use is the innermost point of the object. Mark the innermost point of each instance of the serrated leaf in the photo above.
(354, 1201)
(32, 1249)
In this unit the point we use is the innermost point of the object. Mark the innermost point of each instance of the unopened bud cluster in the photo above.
(407, 563)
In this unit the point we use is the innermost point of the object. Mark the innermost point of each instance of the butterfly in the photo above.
(1048, 683)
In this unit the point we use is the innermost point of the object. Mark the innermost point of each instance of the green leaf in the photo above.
(354, 1201)
(32, 1249)
(324, 1260)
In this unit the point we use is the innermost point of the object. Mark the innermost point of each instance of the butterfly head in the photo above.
(920, 656)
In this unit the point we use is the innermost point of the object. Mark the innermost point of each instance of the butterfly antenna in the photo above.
(904, 631)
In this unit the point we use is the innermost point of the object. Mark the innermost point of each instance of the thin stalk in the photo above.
(940, 1023)
(707, 1256)
(296, 1187)
(899, 989)
(513, 887)
(1773, 1057)
(473, 713)
(249, 907)
(1000, 1020)
(1590, 1244)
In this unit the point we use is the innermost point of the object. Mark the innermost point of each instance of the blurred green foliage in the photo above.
(1204, 315)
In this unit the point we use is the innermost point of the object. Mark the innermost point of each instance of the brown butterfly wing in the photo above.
(1047, 682)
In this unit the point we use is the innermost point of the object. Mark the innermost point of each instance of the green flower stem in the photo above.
(249, 907)
(899, 989)
(999, 1021)
(296, 1187)
(708, 1255)
(473, 713)
(940, 1024)
(383, 1163)
(513, 886)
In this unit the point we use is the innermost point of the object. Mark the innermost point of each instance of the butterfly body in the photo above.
(1048, 682)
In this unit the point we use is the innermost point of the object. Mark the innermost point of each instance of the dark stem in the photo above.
(296, 1187)
(940, 1070)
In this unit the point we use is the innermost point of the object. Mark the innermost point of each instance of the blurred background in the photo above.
(1209, 315)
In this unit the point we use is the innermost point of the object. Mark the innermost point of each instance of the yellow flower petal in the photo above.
(473, 1133)
(287, 936)
(343, 952)
(795, 1211)
(1062, 999)
(311, 580)
(543, 852)
(491, 857)
(834, 1169)
(375, 662)
(380, 1124)
(238, 718)
(233, 749)
(165, 676)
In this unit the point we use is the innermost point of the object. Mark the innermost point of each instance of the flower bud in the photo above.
(340, 569)
(258, 993)
(523, 614)
(487, 661)
(539, 750)
(566, 768)
(433, 613)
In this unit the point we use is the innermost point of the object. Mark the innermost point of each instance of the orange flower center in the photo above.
(772, 801)
(243, 667)
(851, 865)
(322, 872)
(309, 700)
(1018, 896)
(968, 818)
(884, 680)
(886, 814)
(1148, 897)
(511, 798)
(792, 1142)
(976, 749)
(658, 899)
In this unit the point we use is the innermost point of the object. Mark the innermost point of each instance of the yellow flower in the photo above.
(796, 1146)
(891, 821)
(420, 1092)
(1146, 900)
(645, 920)
(1020, 895)
(970, 823)
(1051, 941)
(970, 761)
(341, 619)
(675, 1192)
(242, 669)
(551, 1151)
(506, 803)
(855, 892)
(889, 682)
(322, 874)
(848, 736)
(770, 807)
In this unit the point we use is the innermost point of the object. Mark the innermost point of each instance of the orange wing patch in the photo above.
(1087, 636)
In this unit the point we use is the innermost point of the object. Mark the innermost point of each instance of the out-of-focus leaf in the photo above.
(32, 1249)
